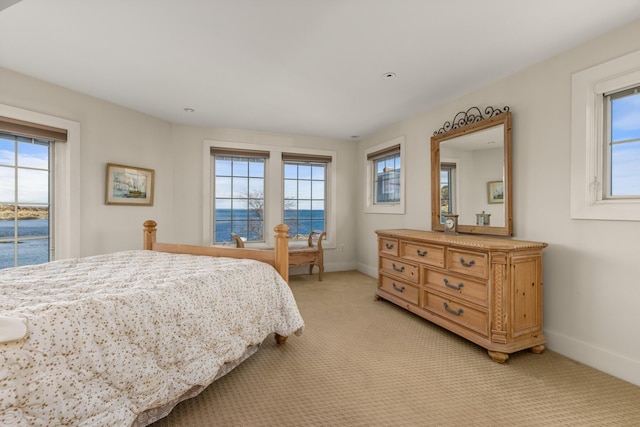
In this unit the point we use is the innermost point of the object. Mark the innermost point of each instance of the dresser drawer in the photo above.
(468, 262)
(388, 246)
(400, 289)
(408, 272)
(457, 286)
(458, 312)
(425, 254)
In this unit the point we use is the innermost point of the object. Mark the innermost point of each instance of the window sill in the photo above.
(396, 209)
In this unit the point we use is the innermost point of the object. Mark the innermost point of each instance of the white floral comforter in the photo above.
(113, 335)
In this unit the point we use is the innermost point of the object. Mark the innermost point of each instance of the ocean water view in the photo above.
(29, 251)
(249, 224)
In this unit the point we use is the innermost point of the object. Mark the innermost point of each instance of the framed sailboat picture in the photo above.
(129, 185)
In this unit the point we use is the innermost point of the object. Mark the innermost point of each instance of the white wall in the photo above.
(591, 268)
(108, 134)
(113, 134)
(187, 155)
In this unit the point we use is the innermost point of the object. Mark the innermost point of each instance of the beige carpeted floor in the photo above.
(362, 362)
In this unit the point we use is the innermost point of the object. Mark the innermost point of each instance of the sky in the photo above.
(33, 184)
(625, 157)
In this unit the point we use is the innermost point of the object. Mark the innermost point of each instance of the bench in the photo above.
(311, 255)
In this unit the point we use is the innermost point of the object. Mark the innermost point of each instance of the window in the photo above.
(605, 141)
(304, 194)
(64, 212)
(239, 195)
(622, 144)
(385, 178)
(250, 188)
(24, 200)
(447, 189)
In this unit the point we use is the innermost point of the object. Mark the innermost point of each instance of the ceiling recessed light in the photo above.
(355, 136)
(388, 75)
(189, 110)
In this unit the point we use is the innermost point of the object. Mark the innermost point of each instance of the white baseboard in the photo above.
(328, 267)
(598, 358)
(368, 270)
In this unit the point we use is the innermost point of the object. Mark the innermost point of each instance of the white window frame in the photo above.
(455, 200)
(66, 179)
(588, 139)
(310, 163)
(370, 183)
(274, 190)
(214, 173)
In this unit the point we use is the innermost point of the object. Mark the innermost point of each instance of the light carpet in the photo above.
(362, 362)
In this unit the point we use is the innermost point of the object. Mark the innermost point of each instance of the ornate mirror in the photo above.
(471, 172)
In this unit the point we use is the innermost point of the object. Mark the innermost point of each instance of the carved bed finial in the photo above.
(149, 234)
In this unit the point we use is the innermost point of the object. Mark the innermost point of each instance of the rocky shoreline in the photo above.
(24, 212)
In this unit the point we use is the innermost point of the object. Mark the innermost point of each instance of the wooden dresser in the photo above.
(485, 289)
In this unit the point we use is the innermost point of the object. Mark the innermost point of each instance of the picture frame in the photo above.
(129, 185)
(495, 191)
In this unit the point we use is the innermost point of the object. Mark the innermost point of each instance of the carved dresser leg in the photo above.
(537, 349)
(498, 356)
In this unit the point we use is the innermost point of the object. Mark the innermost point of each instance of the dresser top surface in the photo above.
(462, 240)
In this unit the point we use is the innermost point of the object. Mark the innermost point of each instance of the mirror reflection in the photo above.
(468, 164)
(471, 173)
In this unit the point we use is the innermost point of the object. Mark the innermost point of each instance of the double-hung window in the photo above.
(447, 189)
(621, 175)
(24, 200)
(250, 188)
(33, 131)
(385, 177)
(29, 172)
(305, 179)
(605, 141)
(239, 194)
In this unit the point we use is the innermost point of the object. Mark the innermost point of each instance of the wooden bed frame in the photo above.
(278, 257)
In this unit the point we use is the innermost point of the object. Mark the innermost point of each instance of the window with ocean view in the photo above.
(304, 197)
(239, 198)
(250, 188)
(24, 200)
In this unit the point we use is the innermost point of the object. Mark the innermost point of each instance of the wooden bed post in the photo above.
(149, 234)
(282, 250)
(282, 261)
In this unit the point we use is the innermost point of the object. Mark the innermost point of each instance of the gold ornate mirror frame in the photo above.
(479, 196)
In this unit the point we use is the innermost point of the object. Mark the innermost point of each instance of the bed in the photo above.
(120, 339)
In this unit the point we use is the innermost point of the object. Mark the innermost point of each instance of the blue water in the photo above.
(29, 251)
(306, 221)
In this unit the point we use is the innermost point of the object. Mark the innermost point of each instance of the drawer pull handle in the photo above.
(421, 253)
(467, 264)
(389, 245)
(454, 312)
(449, 285)
(401, 269)
(399, 289)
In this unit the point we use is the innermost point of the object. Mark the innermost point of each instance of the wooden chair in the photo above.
(311, 255)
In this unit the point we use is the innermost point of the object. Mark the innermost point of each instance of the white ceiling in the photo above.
(306, 67)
